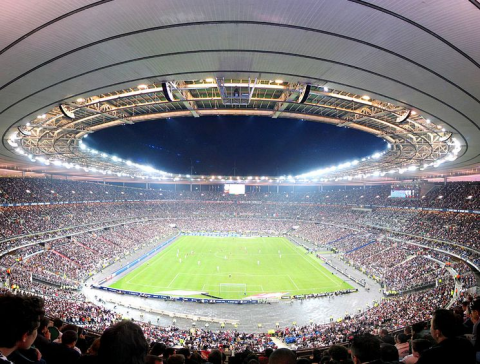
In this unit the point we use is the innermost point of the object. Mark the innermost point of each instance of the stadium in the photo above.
(309, 258)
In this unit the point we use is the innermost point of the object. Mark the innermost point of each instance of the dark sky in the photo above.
(250, 145)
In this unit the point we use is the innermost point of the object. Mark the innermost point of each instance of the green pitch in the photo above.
(231, 268)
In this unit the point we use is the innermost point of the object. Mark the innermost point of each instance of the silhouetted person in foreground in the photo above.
(449, 348)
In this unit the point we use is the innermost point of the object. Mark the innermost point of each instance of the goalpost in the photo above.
(233, 288)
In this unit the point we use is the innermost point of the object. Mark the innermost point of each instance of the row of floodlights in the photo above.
(449, 157)
(308, 177)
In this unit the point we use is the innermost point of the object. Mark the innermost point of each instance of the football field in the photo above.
(231, 268)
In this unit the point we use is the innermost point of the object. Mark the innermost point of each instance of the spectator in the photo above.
(168, 353)
(475, 317)
(283, 356)
(339, 353)
(317, 356)
(91, 356)
(216, 357)
(176, 359)
(449, 348)
(187, 354)
(64, 352)
(389, 353)
(19, 319)
(123, 343)
(263, 359)
(418, 347)
(55, 329)
(386, 337)
(157, 349)
(43, 342)
(402, 345)
(366, 349)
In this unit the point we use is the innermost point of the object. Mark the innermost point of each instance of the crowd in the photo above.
(452, 195)
(30, 338)
(67, 262)
(54, 248)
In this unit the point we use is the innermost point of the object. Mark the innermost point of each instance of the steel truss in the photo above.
(414, 140)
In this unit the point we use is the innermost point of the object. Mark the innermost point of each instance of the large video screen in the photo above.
(234, 189)
(402, 193)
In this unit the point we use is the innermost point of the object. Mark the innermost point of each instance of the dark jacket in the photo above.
(455, 350)
(62, 354)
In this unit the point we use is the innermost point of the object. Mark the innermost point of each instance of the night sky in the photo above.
(235, 145)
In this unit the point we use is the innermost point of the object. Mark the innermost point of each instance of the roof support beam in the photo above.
(287, 97)
(185, 96)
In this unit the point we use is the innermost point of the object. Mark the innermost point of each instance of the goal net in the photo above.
(233, 288)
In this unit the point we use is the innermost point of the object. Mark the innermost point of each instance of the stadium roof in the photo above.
(407, 71)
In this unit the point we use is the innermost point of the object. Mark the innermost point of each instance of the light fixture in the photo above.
(278, 81)
(142, 87)
(366, 97)
(209, 80)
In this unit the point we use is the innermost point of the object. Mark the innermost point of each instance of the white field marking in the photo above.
(231, 273)
(288, 289)
(174, 278)
(313, 265)
(146, 266)
(244, 256)
(141, 269)
(180, 293)
(146, 285)
(293, 282)
(285, 242)
(215, 287)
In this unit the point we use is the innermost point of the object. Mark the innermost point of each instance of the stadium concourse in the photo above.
(60, 236)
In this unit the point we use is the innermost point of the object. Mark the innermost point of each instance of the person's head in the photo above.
(407, 330)
(43, 327)
(185, 352)
(419, 346)
(158, 349)
(69, 338)
(168, 352)
(338, 353)
(57, 323)
(20, 318)
(93, 349)
(475, 310)
(69, 327)
(418, 327)
(383, 332)
(401, 338)
(283, 356)
(123, 343)
(365, 348)
(215, 357)
(176, 359)
(389, 352)
(269, 351)
(317, 355)
(443, 325)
